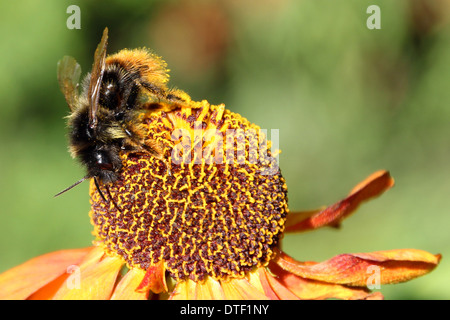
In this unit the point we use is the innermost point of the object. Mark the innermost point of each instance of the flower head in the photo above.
(204, 221)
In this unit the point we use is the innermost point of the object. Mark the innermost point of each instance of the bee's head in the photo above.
(104, 163)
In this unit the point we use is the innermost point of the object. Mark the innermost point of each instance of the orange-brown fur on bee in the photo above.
(151, 68)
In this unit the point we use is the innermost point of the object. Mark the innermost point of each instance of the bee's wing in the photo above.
(98, 68)
(68, 72)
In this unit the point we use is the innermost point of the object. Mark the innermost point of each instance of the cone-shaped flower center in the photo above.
(211, 205)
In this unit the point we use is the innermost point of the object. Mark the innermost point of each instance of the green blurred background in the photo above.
(347, 101)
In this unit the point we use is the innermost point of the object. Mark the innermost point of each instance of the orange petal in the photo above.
(48, 291)
(94, 280)
(22, 281)
(384, 267)
(247, 290)
(154, 279)
(371, 187)
(184, 290)
(267, 288)
(241, 289)
(294, 219)
(209, 289)
(286, 283)
(215, 289)
(126, 288)
(230, 291)
(278, 288)
(254, 277)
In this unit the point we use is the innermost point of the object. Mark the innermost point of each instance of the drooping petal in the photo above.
(94, 280)
(20, 282)
(154, 279)
(401, 265)
(297, 217)
(383, 267)
(288, 285)
(126, 288)
(371, 187)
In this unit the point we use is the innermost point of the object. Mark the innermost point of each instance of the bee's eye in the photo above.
(103, 160)
(119, 116)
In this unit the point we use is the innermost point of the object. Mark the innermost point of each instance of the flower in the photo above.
(199, 223)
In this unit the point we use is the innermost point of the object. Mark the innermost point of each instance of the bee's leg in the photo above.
(161, 93)
(98, 189)
(112, 200)
(171, 96)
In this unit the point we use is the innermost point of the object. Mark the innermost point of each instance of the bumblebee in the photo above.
(103, 118)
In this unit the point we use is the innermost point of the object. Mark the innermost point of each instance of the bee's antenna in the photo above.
(74, 185)
(80, 181)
